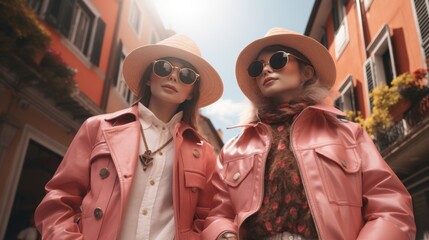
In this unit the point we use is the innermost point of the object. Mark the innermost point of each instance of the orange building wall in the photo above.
(399, 15)
(109, 13)
(352, 58)
(129, 38)
(401, 19)
(89, 78)
(130, 41)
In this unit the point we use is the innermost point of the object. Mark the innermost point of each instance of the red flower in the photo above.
(274, 188)
(301, 227)
(305, 205)
(275, 205)
(280, 128)
(288, 198)
(268, 226)
(266, 200)
(281, 163)
(278, 220)
(296, 179)
(293, 211)
(281, 146)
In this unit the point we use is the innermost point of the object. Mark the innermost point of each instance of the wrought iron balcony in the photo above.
(413, 118)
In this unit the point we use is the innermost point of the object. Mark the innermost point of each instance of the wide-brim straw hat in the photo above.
(315, 52)
(177, 46)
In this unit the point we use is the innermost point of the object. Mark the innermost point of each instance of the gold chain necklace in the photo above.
(146, 158)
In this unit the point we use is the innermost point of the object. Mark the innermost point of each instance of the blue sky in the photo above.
(221, 29)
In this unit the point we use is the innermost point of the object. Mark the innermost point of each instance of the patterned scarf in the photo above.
(285, 207)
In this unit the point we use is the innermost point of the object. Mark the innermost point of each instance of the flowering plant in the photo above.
(59, 76)
(411, 86)
(21, 32)
(385, 98)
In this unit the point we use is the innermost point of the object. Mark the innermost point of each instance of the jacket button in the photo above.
(98, 213)
(104, 173)
(145, 212)
(194, 189)
(196, 153)
(344, 163)
(236, 176)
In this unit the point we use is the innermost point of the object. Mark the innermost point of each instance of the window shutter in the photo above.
(338, 103)
(98, 42)
(353, 95)
(59, 15)
(66, 17)
(368, 67)
(422, 12)
(53, 13)
(335, 13)
(118, 57)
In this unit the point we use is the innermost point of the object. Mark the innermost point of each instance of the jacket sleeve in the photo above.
(57, 215)
(387, 205)
(222, 214)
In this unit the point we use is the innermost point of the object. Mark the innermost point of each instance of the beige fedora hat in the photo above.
(178, 46)
(315, 52)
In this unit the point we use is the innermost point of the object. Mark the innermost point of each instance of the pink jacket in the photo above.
(352, 192)
(83, 202)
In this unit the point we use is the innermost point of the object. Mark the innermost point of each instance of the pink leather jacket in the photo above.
(352, 192)
(83, 202)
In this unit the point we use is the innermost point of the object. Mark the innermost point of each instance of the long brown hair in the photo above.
(189, 107)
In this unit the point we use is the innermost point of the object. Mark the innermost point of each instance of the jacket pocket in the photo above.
(240, 182)
(340, 170)
(194, 180)
(237, 170)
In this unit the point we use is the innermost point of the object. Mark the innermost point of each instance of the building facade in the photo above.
(45, 100)
(372, 43)
(46, 97)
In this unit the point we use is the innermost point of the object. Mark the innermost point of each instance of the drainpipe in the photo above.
(361, 27)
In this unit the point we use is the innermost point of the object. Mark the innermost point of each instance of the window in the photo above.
(379, 68)
(135, 17)
(346, 100)
(120, 84)
(340, 26)
(422, 13)
(80, 31)
(79, 24)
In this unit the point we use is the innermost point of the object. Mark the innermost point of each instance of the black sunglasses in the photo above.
(164, 68)
(277, 61)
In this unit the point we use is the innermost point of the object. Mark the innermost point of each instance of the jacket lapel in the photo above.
(123, 142)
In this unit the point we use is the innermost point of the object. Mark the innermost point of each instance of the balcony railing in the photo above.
(413, 118)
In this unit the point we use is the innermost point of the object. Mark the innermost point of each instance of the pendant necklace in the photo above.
(147, 157)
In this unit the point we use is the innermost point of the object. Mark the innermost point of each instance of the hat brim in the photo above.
(138, 60)
(315, 52)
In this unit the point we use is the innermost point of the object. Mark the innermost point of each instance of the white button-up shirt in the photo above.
(149, 213)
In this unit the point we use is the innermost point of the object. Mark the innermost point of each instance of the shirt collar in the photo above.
(147, 119)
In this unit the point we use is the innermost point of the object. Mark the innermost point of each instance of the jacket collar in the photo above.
(319, 106)
(327, 108)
